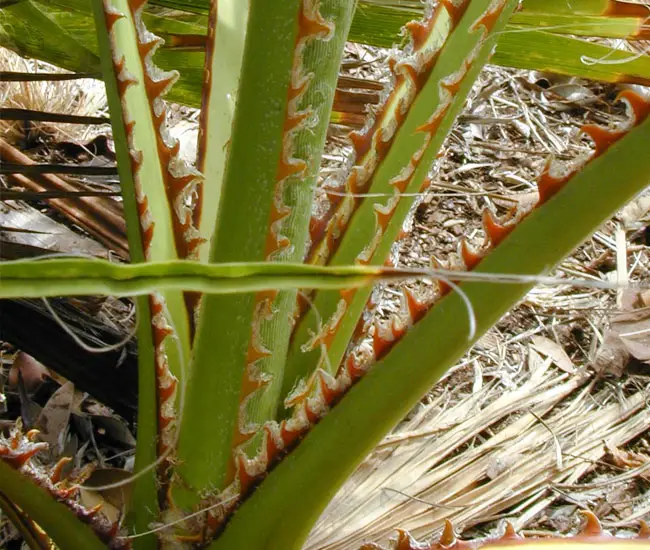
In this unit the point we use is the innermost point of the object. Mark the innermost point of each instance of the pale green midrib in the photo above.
(81, 286)
(106, 269)
(219, 109)
(86, 277)
(144, 500)
(321, 59)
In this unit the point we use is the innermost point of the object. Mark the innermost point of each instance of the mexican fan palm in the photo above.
(256, 397)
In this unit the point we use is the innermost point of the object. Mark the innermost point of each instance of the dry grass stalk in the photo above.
(547, 433)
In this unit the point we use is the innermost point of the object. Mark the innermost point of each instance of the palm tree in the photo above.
(255, 400)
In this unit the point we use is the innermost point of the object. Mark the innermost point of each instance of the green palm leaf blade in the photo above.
(604, 26)
(381, 25)
(572, 57)
(31, 30)
(373, 24)
(617, 8)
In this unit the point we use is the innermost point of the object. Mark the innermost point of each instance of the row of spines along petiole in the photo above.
(180, 184)
(372, 145)
(180, 181)
(311, 26)
(591, 532)
(410, 75)
(549, 183)
(18, 451)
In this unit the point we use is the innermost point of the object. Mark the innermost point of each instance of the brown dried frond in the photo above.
(84, 97)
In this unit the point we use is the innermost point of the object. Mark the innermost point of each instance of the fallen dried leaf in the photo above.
(635, 212)
(113, 501)
(628, 459)
(33, 372)
(555, 351)
(55, 417)
(645, 298)
(612, 357)
(628, 336)
(633, 328)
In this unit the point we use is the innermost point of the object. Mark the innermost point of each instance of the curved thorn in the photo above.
(592, 527)
(448, 536)
(470, 258)
(495, 231)
(405, 541)
(57, 471)
(640, 106)
(602, 137)
(548, 185)
(644, 530)
(510, 532)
